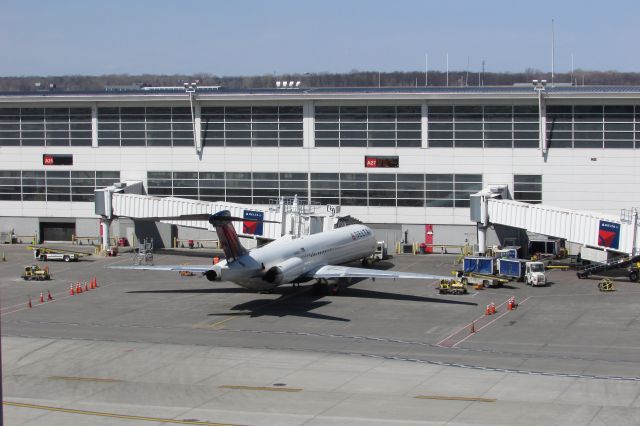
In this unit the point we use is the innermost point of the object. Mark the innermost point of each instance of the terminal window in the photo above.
(45, 126)
(527, 188)
(348, 189)
(373, 126)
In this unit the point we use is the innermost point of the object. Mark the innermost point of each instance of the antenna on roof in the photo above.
(553, 52)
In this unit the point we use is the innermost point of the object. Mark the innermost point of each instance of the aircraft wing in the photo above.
(332, 271)
(176, 268)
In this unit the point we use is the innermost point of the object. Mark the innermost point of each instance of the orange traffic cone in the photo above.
(71, 292)
(488, 311)
(29, 304)
(78, 288)
(91, 287)
(493, 308)
(41, 297)
(86, 286)
(473, 327)
(95, 280)
(49, 296)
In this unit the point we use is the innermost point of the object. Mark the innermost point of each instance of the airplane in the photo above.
(287, 259)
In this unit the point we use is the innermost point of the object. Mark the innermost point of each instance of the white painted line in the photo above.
(487, 324)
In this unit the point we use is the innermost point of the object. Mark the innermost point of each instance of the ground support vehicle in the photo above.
(45, 254)
(453, 286)
(634, 271)
(534, 274)
(35, 273)
(487, 280)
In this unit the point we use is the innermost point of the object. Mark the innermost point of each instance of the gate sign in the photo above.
(252, 228)
(609, 234)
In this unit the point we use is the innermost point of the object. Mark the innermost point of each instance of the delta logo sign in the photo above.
(609, 234)
(252, 228)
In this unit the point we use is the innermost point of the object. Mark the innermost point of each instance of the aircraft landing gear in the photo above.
(322, 288)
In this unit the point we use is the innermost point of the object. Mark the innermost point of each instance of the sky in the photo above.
(252, 37)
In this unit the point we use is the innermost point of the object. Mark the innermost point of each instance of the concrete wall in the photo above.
(21, 225)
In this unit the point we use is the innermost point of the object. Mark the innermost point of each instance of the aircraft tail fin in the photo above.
(223, 222)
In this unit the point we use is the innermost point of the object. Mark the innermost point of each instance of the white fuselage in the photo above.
(308, 253)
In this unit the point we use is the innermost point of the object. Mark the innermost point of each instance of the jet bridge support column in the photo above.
(480, 215)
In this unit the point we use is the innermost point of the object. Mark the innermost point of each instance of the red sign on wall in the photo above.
(57, 159)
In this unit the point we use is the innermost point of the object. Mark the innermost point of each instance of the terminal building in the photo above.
(404, 160)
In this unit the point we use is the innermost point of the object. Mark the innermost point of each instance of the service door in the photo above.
(57, 231)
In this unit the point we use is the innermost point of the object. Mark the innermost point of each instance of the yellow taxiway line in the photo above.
(111, 415)
(260, 388)
(455, 398)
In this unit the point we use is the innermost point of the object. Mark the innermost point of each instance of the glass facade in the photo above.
(364, 126)
(368, 126)
(527, 188)
(347, 189)
(53, 185)
(45, 127)
(593, 126)
(258, 126)
(483, 126)
(145, 126)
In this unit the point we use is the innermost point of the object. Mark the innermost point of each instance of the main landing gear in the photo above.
(322, 287)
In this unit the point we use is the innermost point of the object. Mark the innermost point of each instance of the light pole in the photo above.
(540, 86)
(191, 89)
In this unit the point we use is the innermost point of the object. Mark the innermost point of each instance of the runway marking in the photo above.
(35, 303)
(450, 342)
(260, 388)
(215, 324)
(85, 379)
(455, 398)
(112, 415)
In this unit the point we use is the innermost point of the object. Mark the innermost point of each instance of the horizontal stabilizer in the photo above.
(176, 268)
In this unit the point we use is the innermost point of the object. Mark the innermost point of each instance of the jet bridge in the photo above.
(293, 216)
(618, 234)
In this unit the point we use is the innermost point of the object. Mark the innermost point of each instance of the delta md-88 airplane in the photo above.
(288, 259)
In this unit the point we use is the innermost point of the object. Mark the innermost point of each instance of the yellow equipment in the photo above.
(34, 272)
(606, 284)
(186, 273)
(453, 286)
(45, 253)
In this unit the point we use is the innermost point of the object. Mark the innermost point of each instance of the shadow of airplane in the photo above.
(300, 301)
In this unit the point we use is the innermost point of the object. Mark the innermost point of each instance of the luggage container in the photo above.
(513, 268)
(482, 265)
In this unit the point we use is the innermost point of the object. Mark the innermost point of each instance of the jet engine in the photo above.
(285, 272)
(212, 275)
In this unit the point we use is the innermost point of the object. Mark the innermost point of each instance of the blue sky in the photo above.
(256, 37)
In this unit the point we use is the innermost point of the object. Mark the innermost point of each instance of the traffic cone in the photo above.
(41, 297)
(488, 311)
(86, 286)
(29, 304)
(71, 292)
(49, 296)
(78, 288)
(493, 308)
(96, 282)
(473, 327)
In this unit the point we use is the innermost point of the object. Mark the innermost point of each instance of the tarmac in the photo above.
(157, 348)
